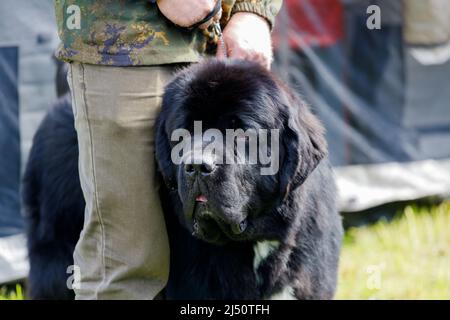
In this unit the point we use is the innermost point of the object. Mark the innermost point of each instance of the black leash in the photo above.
(210, 15)
(214, 31)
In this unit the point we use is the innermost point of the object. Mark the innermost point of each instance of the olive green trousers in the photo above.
(123, 250)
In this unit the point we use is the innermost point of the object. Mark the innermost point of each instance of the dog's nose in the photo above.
(205, 167)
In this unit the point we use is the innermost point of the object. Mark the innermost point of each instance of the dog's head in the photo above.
(234, 143)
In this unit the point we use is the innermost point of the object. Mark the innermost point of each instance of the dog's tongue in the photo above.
(201, 198)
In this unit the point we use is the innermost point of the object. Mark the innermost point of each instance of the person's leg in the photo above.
(123, 250)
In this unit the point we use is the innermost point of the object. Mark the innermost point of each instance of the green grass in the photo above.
(407, 258)
(14, 294)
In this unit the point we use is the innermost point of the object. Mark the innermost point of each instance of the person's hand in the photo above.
(186, 13)
(247, 36)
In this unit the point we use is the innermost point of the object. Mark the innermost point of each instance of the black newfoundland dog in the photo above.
(234, 232)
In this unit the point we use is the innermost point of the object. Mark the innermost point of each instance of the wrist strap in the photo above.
(210, 15)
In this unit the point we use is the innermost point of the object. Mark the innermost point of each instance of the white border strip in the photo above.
(365, 186)
(13, 258)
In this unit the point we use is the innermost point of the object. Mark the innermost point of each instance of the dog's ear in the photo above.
(304, 145)
(162, 145)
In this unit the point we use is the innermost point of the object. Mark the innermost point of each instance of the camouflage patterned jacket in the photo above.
(134, 32)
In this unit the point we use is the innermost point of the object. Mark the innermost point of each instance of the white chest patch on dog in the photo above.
(262, 250)
(286, 294)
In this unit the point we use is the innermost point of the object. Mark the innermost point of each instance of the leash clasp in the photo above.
(215, 36)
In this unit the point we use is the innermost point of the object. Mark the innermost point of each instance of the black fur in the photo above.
(53, 203)
(295, 207)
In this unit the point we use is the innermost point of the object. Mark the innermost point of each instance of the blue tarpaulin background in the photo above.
(27, 39)
(10, 221)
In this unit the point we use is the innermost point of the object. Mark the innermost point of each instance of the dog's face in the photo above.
(233, 143)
